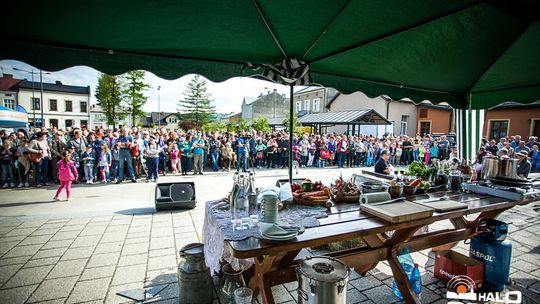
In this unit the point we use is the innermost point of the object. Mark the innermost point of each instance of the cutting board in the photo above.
(397, 212)
(443, 205)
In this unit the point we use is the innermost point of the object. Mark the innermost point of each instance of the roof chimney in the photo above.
(58, 82)
(9, 76)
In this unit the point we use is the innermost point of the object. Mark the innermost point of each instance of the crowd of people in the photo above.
(114, 156)
(130, 153)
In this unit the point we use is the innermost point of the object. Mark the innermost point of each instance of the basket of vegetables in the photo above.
(423, 187)
(343, 191)
(311, 194)
(416, 168)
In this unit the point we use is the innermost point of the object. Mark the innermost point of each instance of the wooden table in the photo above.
(275, 261)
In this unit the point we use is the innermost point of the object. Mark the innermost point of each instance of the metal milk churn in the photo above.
(322, 280)
(194, 277)
(492, 248)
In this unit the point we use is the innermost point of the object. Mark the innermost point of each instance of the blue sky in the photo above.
(227, 95)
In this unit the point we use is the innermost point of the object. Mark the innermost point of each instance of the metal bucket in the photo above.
(490, 167)
(194, 278)
(322, 280)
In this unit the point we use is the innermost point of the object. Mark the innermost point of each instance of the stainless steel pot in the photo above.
(322, 280)
(490, 167)
(508, 168)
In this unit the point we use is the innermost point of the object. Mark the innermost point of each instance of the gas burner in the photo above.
(524, 195)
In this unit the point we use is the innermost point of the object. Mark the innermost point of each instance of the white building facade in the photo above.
(63, 106)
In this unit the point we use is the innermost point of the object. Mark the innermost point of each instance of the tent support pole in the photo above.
(291, 132)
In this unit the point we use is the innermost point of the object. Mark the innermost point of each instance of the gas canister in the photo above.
(492, 248)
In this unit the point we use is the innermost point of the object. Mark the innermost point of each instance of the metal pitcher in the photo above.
(194, 278)
(490, 167)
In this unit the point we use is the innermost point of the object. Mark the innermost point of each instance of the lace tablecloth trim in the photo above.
(218, 228)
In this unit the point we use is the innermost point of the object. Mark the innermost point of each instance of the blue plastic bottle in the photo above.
(416, 281)
(407, 263)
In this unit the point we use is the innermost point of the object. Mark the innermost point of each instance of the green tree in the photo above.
(297, 126)
(196, 105)
(214, 126)
(261, 124)
(133, 86)
(242, 125)
(109, 98)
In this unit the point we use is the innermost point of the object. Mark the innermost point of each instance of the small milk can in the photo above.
(194, 277)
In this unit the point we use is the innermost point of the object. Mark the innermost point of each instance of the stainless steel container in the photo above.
(508, 168)
(490, 167)
(194, 278)
(322, 280)
(370, 187)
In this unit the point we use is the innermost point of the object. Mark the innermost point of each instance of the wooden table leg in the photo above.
(258, 284)
(401, 280)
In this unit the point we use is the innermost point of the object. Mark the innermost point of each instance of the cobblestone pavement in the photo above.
(87, 259)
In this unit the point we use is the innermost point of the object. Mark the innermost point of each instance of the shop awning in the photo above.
(359, 117)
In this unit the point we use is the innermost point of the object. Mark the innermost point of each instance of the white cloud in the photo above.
(227, 95)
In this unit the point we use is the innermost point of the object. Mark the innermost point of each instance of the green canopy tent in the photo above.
(471, 54)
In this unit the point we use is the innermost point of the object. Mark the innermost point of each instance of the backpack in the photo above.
(65, 172)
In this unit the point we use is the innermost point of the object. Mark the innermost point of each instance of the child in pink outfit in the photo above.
(67, 173)
(175, 157)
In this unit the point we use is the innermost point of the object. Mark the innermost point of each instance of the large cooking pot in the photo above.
(322, 280)
(508, 168)
(490, 167)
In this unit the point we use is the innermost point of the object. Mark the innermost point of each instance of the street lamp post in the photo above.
(158, 108)
(32, 104)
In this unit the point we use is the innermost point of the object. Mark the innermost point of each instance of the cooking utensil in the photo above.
(508, 168)
(490, 167)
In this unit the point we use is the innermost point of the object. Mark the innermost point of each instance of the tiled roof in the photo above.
(55, 87)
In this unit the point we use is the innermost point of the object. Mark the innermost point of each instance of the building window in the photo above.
(84, 106)
(53, 123)
(316, 105)
(53, 105)
(498, 128)
(423, 113)
(403, 127)
(36, 105)
(84, 123)
(69, 106)
(9, 103)
(172, 120)
(298, 106)
(306, 105)
(425, 128)
(535, 127)
(69, 123)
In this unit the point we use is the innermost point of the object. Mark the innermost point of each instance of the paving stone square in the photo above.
(53, 289)
(89, 290)
(28, 276)
(17, 295)
(67, 268)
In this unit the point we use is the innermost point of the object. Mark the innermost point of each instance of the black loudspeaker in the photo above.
(175, 196)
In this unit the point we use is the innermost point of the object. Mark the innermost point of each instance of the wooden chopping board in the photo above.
(443, 205)
(397, 212)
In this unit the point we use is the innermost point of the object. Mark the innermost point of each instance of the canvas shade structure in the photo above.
(471, 54)
(13, 119)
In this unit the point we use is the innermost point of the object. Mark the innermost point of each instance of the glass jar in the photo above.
(232, 280)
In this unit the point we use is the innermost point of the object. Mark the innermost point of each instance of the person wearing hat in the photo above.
(523, 166)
